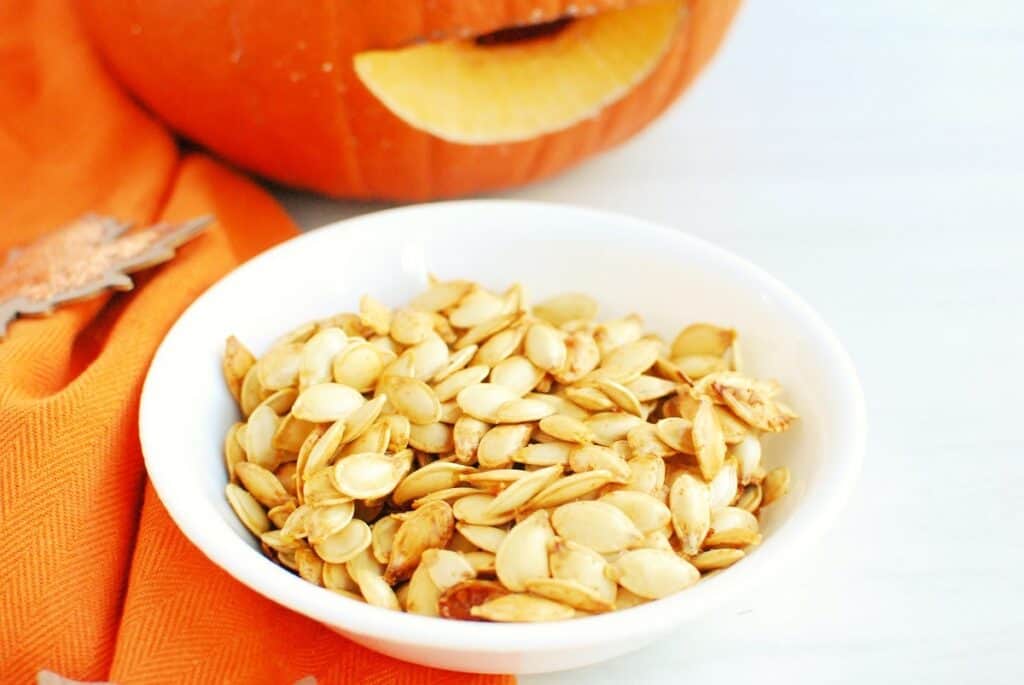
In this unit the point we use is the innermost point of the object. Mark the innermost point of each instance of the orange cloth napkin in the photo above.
(95, 580)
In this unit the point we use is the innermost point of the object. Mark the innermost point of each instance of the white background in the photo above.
(871, 155)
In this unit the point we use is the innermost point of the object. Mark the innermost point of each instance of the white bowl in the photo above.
(629, 265)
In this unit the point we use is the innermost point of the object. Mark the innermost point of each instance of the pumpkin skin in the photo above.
(270, 86)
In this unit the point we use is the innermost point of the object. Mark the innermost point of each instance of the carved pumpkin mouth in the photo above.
(521, 82)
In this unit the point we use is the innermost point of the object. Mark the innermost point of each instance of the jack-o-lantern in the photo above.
(406, 99)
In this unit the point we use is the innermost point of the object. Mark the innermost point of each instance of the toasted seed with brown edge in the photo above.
(458, 600)
(429, 526)
(519, 608)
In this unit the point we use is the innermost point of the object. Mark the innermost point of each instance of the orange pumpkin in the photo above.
(407, 99)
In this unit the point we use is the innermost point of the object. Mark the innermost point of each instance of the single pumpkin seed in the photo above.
(724, 485)
(279, 515)
(297, 523)
(589, 397)
(247, 509)
(410, 327)
(708, 440)
(325, 521)
(715, 559)
(432, 438)
(262, 484)
(654, 573)
(561, 405)
(382, 537)
(413, 399)
(259, 437)
(483, 563)
(234, 453)
(376, 438)
(336, 577)
(431, 478)
(279, 542)
(519, 608)
(429, 526)
(252, 391)
(703, 339)
(375, 315)
(290, 433)
(572, 561)
(458, 600)
(521, 411)
(608, 427)
(647, 513)
(279, 367)
(326, 402)
(750, 498)
(459, 381)
(523, 490)
(544, 454)
(646, 474)
(612, 334)
(582, 357)
(499, 347)
(358, 366)
(481, 401)
(775, 485)
(478, 306)
(466, 436)
(643, 441)
(318, 356)
(566, 428)
(498, 444)
(280, 401)
(399, 428)
(324, 450)
(487, 538)
(592, 457)
(677, 433)
(345, 544)
(446, 568)
(494, 478)
(627, 362)
(545, 347)
(517, 374)
(597, 525)
(559, 309)
(368, 575)
(455, 362)
(690, 503)
(441, 295)
(422, 594)
(482, 331)
(569, 592)
(319, 489)
(569, 488)
(235, 364)
(647, 388)
(473, 509)
(698, 366)
(523, 554)
(620, 395)
(369, 474)
(447, 494)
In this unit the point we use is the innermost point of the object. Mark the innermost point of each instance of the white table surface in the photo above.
(870, 154)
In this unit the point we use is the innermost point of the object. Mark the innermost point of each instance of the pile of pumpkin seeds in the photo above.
(470, 457)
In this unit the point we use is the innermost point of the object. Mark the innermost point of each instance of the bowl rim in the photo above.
(252, 569)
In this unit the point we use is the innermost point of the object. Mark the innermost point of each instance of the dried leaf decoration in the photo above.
(82, 259)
